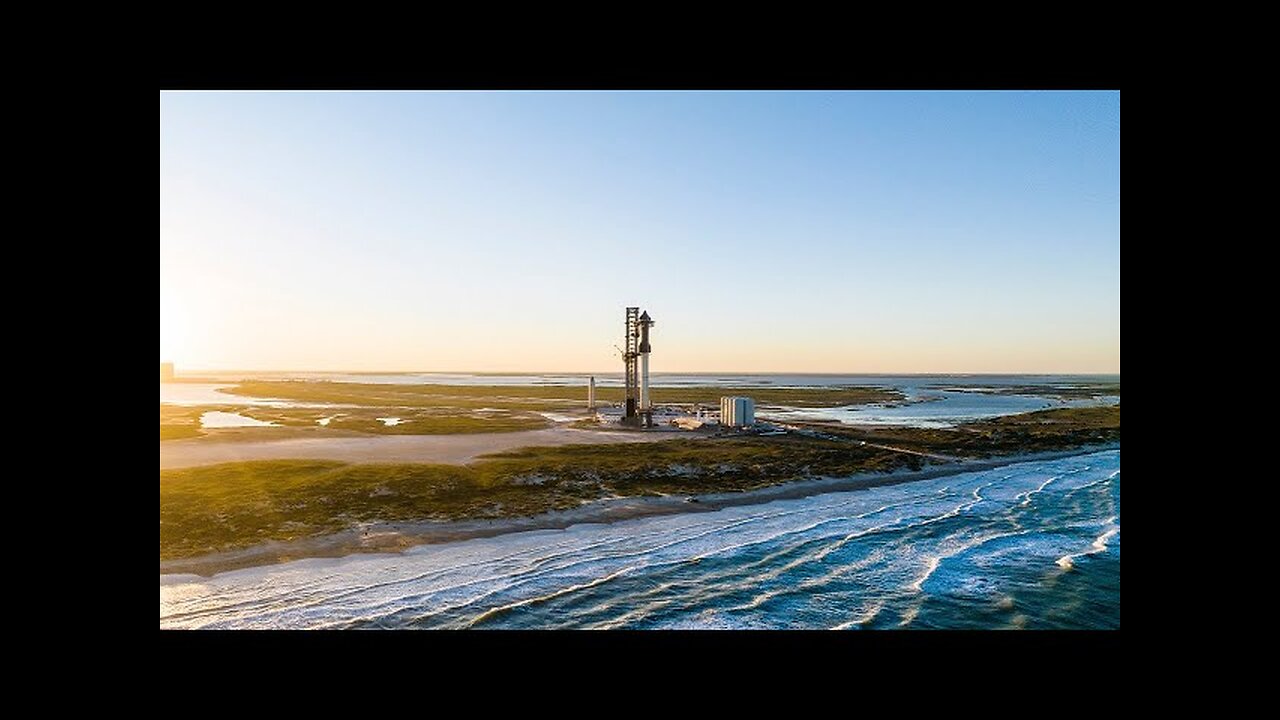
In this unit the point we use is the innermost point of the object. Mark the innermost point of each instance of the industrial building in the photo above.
(737, 411)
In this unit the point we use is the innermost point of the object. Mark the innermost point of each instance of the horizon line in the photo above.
(177, 371)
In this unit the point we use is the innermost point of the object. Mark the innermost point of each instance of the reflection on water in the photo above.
(218, 419)
(196, 394)
(208, 394)
(932, 408)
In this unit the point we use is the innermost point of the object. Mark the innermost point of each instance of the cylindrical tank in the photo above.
(737, 411)
(644, 381)
(645, 323)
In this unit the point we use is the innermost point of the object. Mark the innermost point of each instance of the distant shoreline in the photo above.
(397, 537)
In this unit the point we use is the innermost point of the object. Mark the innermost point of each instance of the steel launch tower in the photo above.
(636, 358)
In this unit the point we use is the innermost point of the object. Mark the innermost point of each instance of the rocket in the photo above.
(637, 348)
(645, 324)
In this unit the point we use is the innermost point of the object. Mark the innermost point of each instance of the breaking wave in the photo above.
(1033, 544)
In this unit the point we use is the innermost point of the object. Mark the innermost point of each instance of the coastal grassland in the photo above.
(413, 420)
(178, 421)
(1073, 391)
(457, 409)
(1043, 430)
(542, 397)
(234, 505)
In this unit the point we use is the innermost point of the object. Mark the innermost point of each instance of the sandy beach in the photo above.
(396, 537)
(454, 449)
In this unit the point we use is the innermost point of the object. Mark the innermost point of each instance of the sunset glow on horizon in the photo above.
(806, 232)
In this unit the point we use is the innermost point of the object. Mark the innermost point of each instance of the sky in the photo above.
(824, 232)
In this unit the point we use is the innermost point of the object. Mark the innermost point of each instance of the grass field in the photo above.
(454, 409)
(177, 422)
(218, 507)
(1065, 392)
(235, 505)
(412, 420)
(1028, 432)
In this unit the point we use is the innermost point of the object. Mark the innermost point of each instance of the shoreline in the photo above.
(398, 537)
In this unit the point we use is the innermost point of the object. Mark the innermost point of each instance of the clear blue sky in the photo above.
(764, 231)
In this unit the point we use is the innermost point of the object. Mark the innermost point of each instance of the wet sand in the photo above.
(454, 449)
(397, 537)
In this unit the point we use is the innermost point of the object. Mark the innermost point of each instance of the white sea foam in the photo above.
(833, 560)
(549, 596)
(861, 619)
(1099, 544)
(1026, 497)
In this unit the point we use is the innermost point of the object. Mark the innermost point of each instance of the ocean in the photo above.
(1028, 545)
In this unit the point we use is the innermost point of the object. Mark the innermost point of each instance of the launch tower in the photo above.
(636, 357)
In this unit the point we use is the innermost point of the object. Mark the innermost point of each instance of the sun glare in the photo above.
(174, 332)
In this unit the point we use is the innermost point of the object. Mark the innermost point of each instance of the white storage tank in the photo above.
(737, 411)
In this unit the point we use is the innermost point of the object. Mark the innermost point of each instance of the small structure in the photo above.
(687, 423)
(166, 372)
(737, 411)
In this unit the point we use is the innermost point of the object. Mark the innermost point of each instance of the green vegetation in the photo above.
(232, 505)
(413, 421)
(235, 505)
(178, 432)
(541, 397)
(1096, 418)
(454, 409)
(177, 421)
(1064, 392)
(794, 397)
(1055, 429)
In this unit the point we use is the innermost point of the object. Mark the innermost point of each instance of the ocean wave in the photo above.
(941, 552)
(1099, 544)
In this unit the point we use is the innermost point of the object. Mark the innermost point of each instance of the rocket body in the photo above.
(644, 381)
(645, 324)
